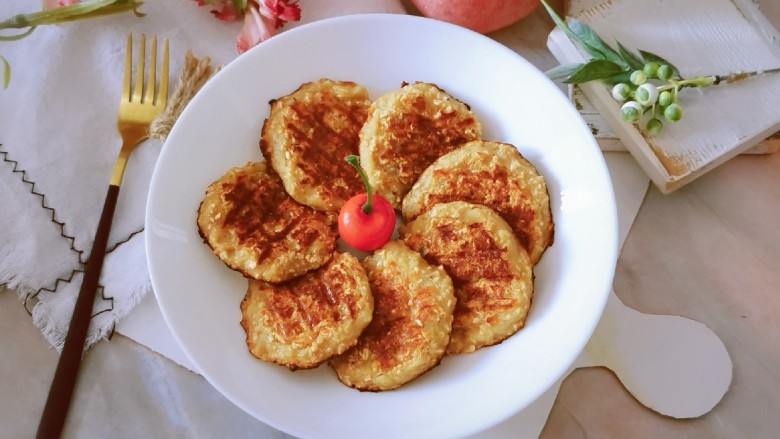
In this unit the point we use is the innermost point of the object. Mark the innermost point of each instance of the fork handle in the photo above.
(66, 374)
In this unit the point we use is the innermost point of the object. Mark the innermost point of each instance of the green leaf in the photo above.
(632, 60)
(572, 36)
(595, 45)
(562, 71)
(648, 56)
(596, 69)
(623, 77)
(6, 71)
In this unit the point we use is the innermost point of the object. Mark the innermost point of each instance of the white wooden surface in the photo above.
(609, 141)
(700, 37)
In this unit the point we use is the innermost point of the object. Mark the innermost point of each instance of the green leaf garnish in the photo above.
(632, 60)
(572, 36)
(618, 78)
(594, 44)
(595, 69)
(563, 71)
(644, 84)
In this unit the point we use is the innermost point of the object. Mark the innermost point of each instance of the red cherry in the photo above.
(366, 220)
(366, 231)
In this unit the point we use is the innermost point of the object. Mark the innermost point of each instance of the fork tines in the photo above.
(138, 93)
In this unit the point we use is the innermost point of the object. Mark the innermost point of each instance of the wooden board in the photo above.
(720, 36)
(609, 141)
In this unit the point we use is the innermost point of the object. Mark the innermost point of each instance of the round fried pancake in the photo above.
(306, 137)
(304, 322)
(254, 227)
(497, 176)
(410, 330)
(406, 131)
(491, 271)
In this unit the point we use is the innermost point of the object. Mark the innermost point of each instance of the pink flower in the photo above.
(281, 10)
(51, 4)
(257, 28)
(224, 10)
(261, 17)
(261, 20)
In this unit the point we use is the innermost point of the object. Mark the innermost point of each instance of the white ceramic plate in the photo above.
(200, 297)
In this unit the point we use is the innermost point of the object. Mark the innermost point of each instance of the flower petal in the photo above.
(222, 9)
(51, 4)
(290, 11)
(280, 10)
(256, 28)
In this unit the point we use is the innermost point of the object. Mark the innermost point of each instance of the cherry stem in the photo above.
(353, 160)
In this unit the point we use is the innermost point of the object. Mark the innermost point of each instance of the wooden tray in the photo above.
(609, 141)
(710, 37)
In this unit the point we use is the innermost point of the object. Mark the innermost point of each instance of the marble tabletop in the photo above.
(709, 251)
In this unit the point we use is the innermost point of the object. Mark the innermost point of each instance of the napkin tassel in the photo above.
(194, 73)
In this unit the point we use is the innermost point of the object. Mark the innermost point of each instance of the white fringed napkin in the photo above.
(58, 142)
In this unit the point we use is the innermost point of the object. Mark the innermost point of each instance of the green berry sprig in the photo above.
(650, 95)
(646, 84)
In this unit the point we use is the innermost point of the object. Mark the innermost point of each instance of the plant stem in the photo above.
(705, 81)
(72, 12)
(6, 71)
(18, 36)
(353, 160)
(738, 76)
(77, 11)
(699, 81)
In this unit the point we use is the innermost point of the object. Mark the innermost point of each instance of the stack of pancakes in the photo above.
(476, 219)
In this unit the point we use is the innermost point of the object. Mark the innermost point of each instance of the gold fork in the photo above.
(136, 111)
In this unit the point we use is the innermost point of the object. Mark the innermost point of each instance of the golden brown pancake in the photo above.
(406, 131)
(254, 227)
(306, 137)
(304, 322)
(490, 269)
(497, 176)
(410, 330)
